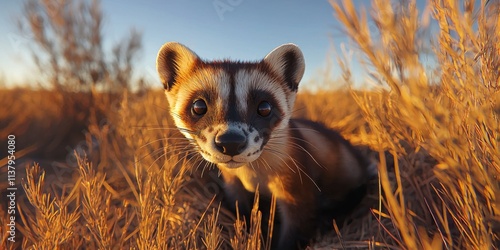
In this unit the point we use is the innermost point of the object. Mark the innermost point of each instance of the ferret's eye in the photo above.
(264, 109)
(199, 107)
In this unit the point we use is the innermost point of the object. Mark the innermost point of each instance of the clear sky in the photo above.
(237, 29)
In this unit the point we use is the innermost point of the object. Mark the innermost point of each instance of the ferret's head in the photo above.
(230, 110)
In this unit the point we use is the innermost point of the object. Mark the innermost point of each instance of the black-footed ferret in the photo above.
(238, 116)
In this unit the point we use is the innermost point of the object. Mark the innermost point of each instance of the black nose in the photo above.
(230, 143)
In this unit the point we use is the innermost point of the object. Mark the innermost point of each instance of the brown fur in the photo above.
(310, 182)
(311, 170)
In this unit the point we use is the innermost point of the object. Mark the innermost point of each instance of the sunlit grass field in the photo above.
(110, 171)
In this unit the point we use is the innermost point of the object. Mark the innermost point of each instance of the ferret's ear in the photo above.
(173, 60)
(288, 62)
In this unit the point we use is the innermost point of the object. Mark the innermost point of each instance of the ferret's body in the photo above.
(238, 116)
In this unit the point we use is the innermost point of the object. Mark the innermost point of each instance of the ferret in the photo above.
(238, 116)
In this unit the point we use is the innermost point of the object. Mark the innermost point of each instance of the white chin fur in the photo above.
(228, 161)
(231, 164)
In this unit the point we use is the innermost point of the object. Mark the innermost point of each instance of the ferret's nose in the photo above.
(230, 143)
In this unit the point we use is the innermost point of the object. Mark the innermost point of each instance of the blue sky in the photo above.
(237, 29)
(246, 30)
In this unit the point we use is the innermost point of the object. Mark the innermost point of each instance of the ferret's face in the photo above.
(230, 110)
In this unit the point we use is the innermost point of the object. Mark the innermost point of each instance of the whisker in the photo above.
(278, 175)
(270, 167)
(297, 166)
(208, 165)
(154, 152)
(278, 154)
(187, 153)
(160, 139)
(298, 146)
(186, 157)
(149, 127)
(151, 165)
(281, 136)
(172, 149)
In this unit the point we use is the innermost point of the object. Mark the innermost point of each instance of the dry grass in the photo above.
(134, 184)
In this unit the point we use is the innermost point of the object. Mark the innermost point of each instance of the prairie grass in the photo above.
(115, 173)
